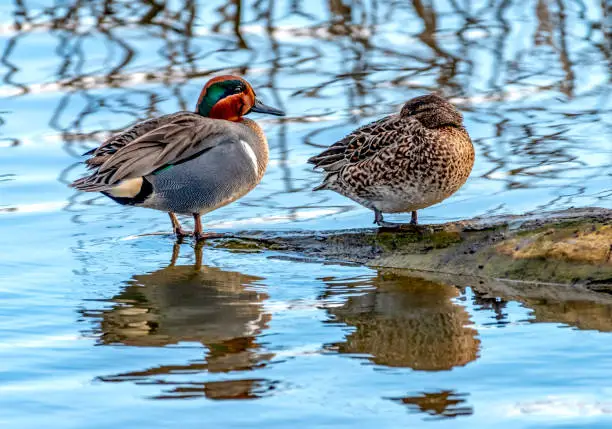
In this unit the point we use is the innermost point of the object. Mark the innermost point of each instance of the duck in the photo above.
(186, 163)
(401, 163)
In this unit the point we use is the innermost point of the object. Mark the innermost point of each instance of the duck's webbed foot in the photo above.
(378, 220)
(200, 235)
(180, 233)
(176, 227)
(207, 236)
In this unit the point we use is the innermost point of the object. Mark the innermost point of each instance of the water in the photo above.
(103, 327)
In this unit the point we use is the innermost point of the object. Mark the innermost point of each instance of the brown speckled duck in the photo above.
(403, 162)
(186, 163)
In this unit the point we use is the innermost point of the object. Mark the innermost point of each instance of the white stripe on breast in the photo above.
(249, 151)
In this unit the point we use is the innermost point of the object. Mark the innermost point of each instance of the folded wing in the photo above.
(176, 140)
(359, 145)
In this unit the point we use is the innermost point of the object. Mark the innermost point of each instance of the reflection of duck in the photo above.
(191, 304)
(442, 404)
(408, 322)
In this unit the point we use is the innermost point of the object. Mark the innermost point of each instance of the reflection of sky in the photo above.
(62, 253)
(537, 147)
(524, 373)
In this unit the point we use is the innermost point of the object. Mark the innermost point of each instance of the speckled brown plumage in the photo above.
(403, 162)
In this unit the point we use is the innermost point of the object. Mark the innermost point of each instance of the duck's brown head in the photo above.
(433, 111)
(231, 97)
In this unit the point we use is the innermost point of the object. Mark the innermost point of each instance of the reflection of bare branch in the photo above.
(155, 10)
(357, 60)
(235, 18)
(428, 36)
(12, 68)
(543, 34)
(567, 86)
(282, 129)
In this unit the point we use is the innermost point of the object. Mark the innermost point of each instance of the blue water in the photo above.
(99, 329)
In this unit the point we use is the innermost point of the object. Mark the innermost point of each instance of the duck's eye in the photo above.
(238, 90)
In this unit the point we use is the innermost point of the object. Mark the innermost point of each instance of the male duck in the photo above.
(403, 162)
(186, 163)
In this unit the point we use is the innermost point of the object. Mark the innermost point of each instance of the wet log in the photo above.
(572, 247)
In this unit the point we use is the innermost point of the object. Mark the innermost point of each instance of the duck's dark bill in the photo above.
(259, 107)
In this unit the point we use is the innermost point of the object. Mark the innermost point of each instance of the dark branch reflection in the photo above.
(534, 80)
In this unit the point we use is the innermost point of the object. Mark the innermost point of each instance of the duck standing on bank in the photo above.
(403, 162)
(186, 163)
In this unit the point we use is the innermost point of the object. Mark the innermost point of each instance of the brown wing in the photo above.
(101, 154)
(184, 137)
(359, 145)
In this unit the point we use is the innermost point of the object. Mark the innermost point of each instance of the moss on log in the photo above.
(569, 247)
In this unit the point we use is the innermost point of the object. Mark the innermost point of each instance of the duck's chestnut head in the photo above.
(231, 97)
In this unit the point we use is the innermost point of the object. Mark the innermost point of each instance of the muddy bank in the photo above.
(571, 247)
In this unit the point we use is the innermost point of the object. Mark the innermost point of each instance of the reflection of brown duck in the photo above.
(442, 404)
(221, 390)
(408, 322)
(191, 304)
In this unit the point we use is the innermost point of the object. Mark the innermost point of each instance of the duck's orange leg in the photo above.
(198, 234)
(379, 220)
(415, 218)
(176, 226)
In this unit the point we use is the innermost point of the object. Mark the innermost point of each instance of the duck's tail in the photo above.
(90, 183)
(328, 183)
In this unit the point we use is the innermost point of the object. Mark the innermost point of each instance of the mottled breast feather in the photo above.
(401, 162)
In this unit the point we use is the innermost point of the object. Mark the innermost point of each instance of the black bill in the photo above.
(259, 107)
